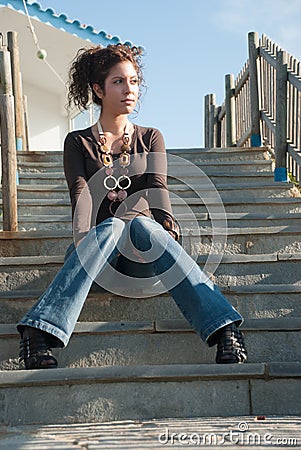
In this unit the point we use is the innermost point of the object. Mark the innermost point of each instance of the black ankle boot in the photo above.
(230, 345)
(35, 349)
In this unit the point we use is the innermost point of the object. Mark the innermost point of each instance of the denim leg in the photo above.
(199, 300)
(58, 309)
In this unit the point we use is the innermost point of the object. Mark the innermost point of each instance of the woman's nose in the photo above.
(128, 86)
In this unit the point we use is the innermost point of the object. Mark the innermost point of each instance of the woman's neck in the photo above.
(114, 126)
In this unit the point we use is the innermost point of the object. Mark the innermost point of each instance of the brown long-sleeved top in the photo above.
(148, 194)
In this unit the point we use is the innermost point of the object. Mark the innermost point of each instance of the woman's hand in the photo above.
(138, 255)
(78, 242)
(81, 239)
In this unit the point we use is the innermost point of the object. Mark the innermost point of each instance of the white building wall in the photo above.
(47, 119)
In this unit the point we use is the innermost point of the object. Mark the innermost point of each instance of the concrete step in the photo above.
(36, 272)
(36, 207)
(206, 192)
(242, 240)
(243, 219)
(56, 178)
(179, 166)
(192, 154)
(30, 243)
(175, 167)
(36, 191)
(93, 394)
(44, 223)
(242, 205)
(218, 179)
(273, 224)
(156, 433)
(197, 155)
(231, 191)
(95, 344)
(32, 167)
(243, 269)
(52, 156)
(176, 175)
(41, 239)
(258, 301)
(234, 220)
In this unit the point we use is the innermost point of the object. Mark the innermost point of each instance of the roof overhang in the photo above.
(60, 37)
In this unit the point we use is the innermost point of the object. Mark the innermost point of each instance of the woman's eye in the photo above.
(133, 81)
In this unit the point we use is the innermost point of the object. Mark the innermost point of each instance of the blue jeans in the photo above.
(199, 300)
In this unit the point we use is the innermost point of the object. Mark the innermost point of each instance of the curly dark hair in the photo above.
(92, 65)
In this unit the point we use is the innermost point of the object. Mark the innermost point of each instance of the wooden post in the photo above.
(12, 45)
(26, 122)
(211, 126)
(280, 173)
(209, 99)
(218, 128)
(206, 120)
(8, 145)
(254, 91)
(212, 122)
(230, 110)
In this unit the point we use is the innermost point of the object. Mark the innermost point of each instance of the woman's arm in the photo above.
(158, 195)
(75, 172)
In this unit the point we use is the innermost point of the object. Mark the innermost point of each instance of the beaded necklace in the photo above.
(110, 182)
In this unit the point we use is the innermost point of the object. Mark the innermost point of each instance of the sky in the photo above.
(189, 47)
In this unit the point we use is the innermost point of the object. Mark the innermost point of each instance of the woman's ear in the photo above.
(97, 90)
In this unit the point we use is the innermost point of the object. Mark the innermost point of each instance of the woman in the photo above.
(116, 174)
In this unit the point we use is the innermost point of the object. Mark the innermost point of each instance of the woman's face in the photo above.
(121, 89)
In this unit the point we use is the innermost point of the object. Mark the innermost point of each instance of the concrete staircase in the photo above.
(138, 358)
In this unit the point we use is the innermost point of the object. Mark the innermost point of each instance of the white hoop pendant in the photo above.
(105, 183)
(126, 178)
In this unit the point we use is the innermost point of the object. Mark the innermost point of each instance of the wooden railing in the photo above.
(262, 107)
(12, 127)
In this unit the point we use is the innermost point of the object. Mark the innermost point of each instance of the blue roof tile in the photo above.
(61, 22)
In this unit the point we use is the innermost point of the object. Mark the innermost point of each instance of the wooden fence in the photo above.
(12, 126)
(262, 107)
